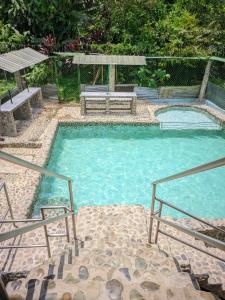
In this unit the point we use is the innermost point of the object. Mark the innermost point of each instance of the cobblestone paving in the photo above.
(113, 263)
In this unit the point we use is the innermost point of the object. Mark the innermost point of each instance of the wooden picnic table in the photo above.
(19, 108)
(109, 101)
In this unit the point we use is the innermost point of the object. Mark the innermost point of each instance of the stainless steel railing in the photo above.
(9, 208)
(43, 221)
(156, 214)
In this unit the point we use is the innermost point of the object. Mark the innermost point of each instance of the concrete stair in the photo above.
(108, 273)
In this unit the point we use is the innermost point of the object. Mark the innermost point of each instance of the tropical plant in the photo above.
(152, 79)
(38, 76)
(10, 38)
(48, 44)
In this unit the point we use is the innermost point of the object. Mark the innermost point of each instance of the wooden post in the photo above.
(205, 80)
(18, 79)
(112, 72)
(78, 82)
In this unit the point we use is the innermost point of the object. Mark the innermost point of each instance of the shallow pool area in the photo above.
(115, 164)
(186, 118)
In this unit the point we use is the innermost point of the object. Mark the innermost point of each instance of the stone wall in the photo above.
(49, 91)
(216, 94)
(179, 91)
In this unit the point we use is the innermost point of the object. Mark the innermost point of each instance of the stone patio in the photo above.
(96, 226)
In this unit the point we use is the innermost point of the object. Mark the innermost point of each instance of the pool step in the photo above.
(189, 125)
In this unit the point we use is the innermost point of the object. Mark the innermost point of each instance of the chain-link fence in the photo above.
(170, 77)
(216, 86)
(217, 73)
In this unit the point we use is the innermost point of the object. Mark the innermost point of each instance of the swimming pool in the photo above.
(178, 117)
(115, 164)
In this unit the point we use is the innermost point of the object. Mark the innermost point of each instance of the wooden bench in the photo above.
(20, 108)
(108, 102)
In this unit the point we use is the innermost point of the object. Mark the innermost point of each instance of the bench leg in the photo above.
(107, 109)
(7, 124)
(40, 102)
(24, 112)
(82, 106)
(37, 100)
(134, 105)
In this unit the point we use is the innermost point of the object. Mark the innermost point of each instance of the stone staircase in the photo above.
(110, 260)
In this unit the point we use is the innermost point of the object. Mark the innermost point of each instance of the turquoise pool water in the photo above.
(115, 164)
(186, 118)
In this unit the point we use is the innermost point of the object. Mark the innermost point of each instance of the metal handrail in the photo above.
(29, 165)
(207, 239)
(200, 236)
(18, 231)
(189, 214)
(9, 210)
(201, 168)
(15, 160)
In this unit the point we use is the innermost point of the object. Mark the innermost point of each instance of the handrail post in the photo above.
(3, 292)
(67, 227)
(9, 204)
(152, 213)
(46, 233)
(158, 223)
(70, 186)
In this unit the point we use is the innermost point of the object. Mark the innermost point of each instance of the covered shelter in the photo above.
(19, 106)
(113, 100)
(112, 61)
(15, 61)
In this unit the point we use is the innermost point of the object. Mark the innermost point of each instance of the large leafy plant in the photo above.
(38, 76)
(151, 79)
(10, 38)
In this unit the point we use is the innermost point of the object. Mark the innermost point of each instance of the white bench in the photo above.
(108, 101)
(20, 108)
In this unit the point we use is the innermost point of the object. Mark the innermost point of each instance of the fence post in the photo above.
(205, 80)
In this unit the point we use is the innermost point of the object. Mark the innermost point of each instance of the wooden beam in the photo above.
(205, 80)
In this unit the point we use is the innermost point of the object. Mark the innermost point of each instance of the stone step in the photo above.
(133, 266)
(116, 285)
(150, 257)
(197, 262)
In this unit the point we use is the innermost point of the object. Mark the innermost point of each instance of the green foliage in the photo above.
(39, 75)
(126, 27)
(6, 85)
(152, 79)
(10, 39)
(41, 17)
(67, 88)
(148, 27)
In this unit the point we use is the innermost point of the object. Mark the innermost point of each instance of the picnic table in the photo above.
(108, 101)
(19, 108)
